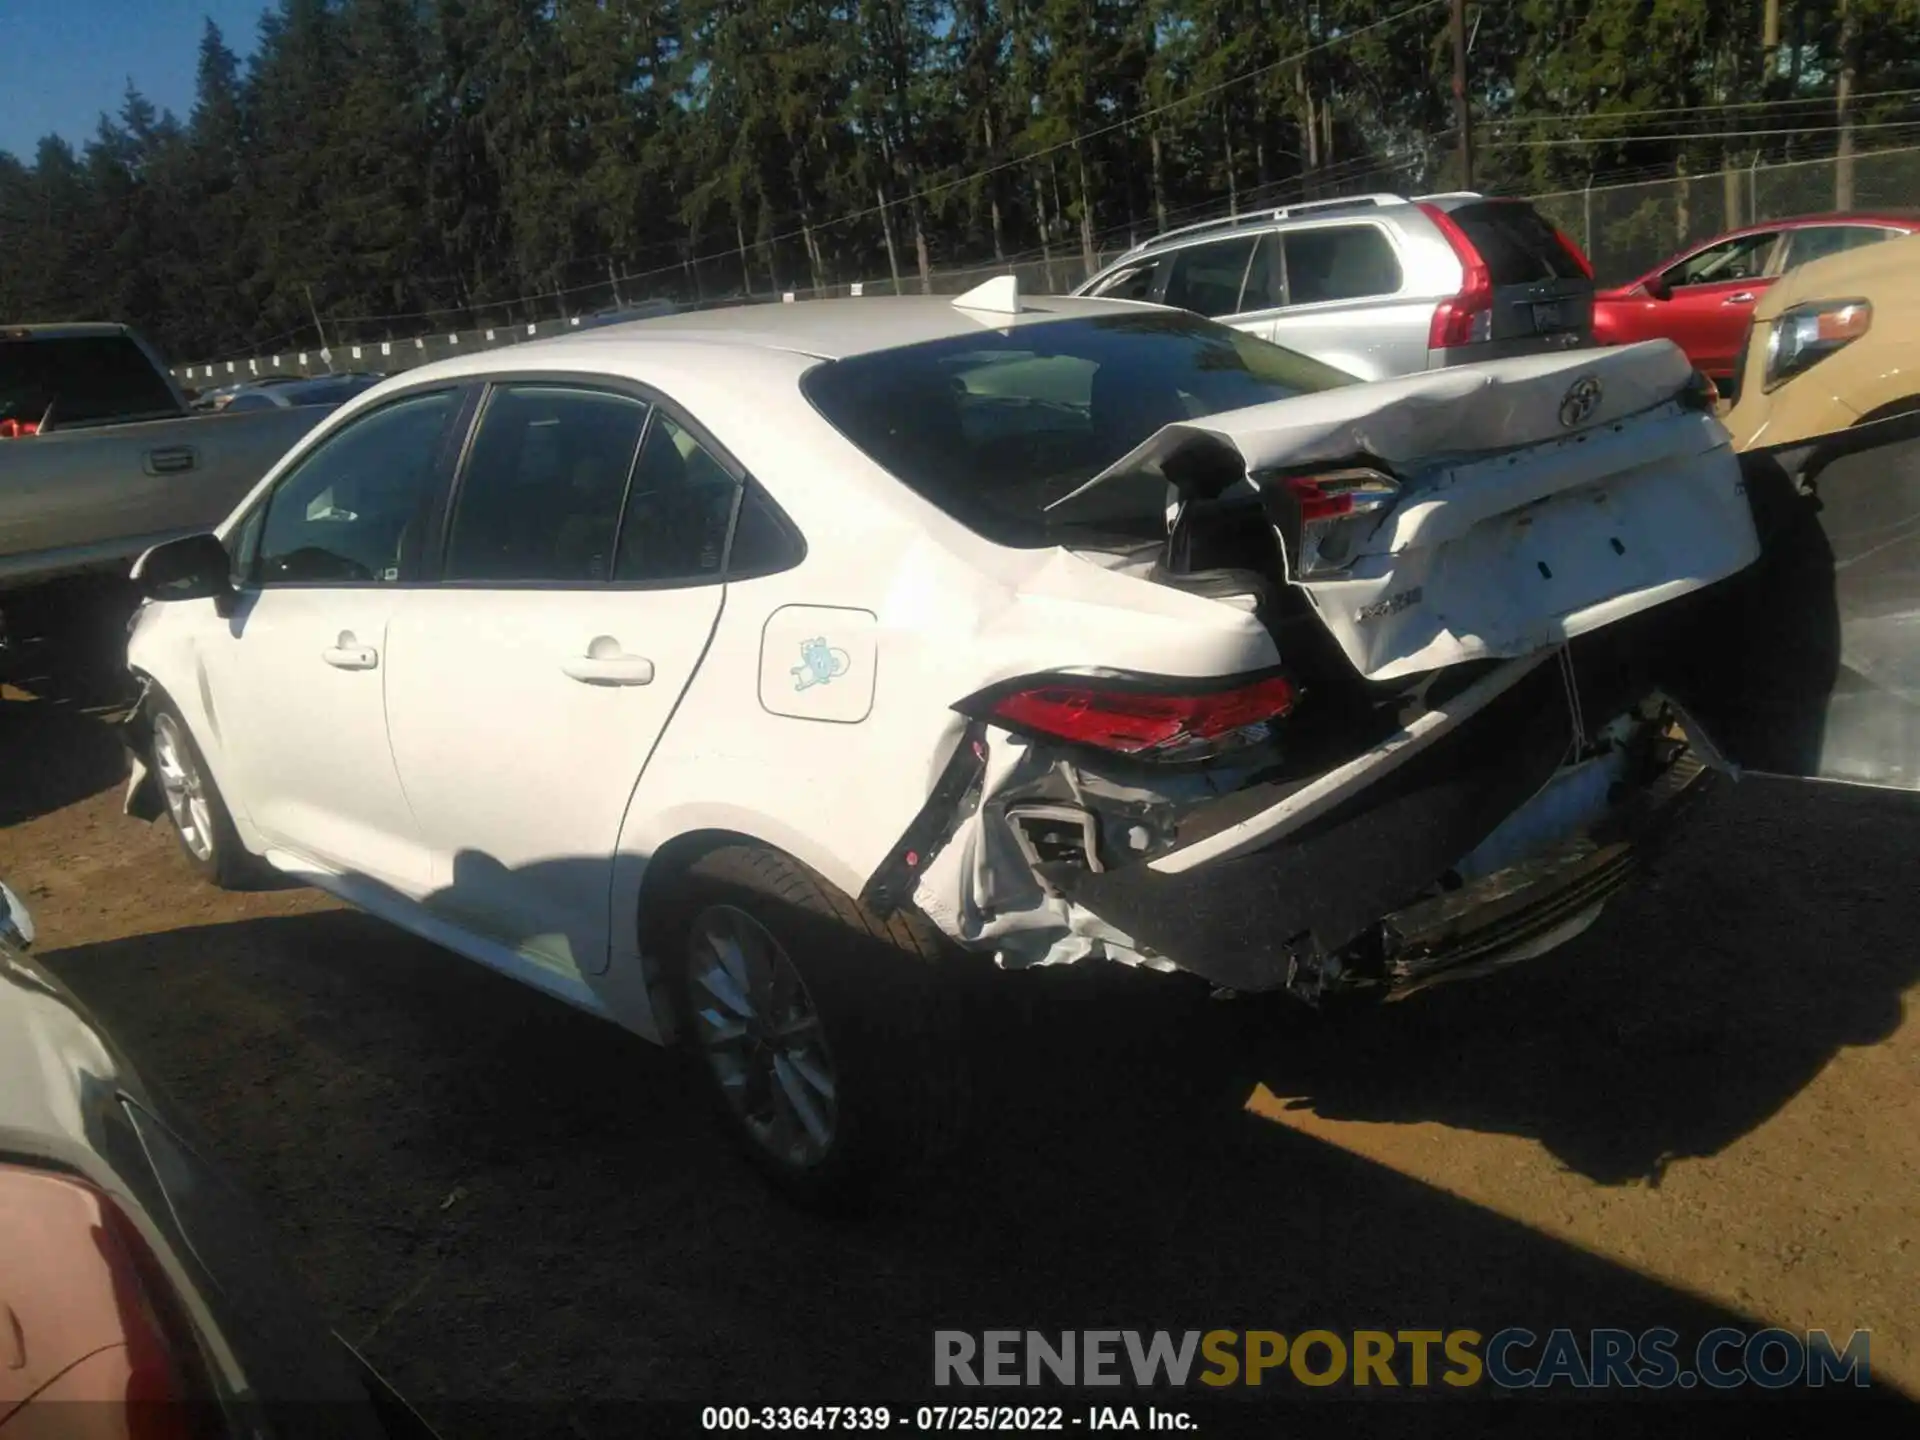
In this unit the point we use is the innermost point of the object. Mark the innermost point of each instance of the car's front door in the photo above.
(297, 681)
(1712, 295)
(579, 583)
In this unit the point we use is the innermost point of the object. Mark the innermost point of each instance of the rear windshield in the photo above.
(87, 380)
(995, 427)
(1519, 247)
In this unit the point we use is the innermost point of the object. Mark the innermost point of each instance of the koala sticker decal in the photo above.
(820, 663)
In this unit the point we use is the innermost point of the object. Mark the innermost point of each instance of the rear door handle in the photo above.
(1739, 297)
(605, 663)
(170, 460)
(348, 653)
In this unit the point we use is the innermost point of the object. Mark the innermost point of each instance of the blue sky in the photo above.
(64, 61)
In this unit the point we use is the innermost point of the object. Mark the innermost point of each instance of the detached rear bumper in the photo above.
(1363, 897)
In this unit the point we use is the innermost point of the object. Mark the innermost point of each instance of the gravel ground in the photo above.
(1702, 1112)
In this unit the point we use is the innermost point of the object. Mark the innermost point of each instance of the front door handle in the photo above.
(347, 653)
(605, 663)
(1739, 297)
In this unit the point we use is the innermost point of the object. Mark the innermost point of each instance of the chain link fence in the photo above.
(1628, 229)
(1625, 229)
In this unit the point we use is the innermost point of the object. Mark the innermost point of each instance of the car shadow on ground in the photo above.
(504, 1200)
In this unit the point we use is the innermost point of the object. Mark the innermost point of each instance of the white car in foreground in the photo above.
(722, 673)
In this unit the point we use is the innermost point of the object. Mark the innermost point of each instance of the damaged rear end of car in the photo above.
(1462, 737)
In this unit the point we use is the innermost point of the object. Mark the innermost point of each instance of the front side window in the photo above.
(350, 511)
(994, 428)
(1266, 287)
(1207, 279)
(1130, 282)
(678, 511)
(1742, 258)
(1339, 262)
(540, 500)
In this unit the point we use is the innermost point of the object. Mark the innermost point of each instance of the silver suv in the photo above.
(1375, 285)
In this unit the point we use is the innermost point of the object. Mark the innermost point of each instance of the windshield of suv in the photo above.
(994, 427)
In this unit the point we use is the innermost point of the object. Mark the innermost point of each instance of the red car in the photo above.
(1702, 299)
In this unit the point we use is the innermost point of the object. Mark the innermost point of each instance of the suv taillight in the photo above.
(1146, 719)
(1465, 318)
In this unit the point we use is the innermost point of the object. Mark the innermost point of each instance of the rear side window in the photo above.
(541, 497)
(1816, 241)
(90, 380)
(1207, 278)
(1518, 246)
(1339, 262)
(675, 526)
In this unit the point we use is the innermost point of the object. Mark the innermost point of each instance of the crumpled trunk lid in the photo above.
(1540, 499)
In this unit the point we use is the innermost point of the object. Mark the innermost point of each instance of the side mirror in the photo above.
(1657, 288)
(195, 567)
(16, 925)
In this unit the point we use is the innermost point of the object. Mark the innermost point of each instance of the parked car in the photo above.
(319, 390)
(731, 674)
(1835, 344)
(139, 1293)
(218, 397)
(1702, 299)
(1376, 285)
(101, 458)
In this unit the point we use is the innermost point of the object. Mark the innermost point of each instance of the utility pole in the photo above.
(1462, 116)
(314, 310)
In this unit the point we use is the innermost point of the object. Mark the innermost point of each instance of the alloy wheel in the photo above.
(761, 1035)
(184, 786)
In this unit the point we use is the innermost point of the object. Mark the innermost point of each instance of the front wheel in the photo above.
(818, 1025)
(200, 819)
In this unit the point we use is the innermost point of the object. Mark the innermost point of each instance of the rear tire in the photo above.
(196, 811)
(821, 1030)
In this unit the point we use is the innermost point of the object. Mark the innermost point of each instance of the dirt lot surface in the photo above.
(1702, 1112)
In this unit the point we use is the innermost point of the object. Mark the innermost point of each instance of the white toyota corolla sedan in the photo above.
(728, 674)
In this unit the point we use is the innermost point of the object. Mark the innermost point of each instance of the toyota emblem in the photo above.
(1581, 401)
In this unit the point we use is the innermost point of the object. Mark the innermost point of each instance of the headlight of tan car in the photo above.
(1807, 334)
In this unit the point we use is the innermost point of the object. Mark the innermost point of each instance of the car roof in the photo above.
(831, 329)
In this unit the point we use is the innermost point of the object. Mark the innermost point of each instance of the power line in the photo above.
(1697, 135)
(1824, 101)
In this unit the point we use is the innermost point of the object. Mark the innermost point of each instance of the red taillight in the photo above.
(1158, 724)
(1468, 316)
(1312, 514)
(1316, 502)
(14, 429)
(1578, 256)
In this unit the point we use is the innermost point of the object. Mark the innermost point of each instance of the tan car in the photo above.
(1835, 342)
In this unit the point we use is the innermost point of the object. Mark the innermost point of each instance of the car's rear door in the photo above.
(579, 582)
(1342, 283)
(1808, 664)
